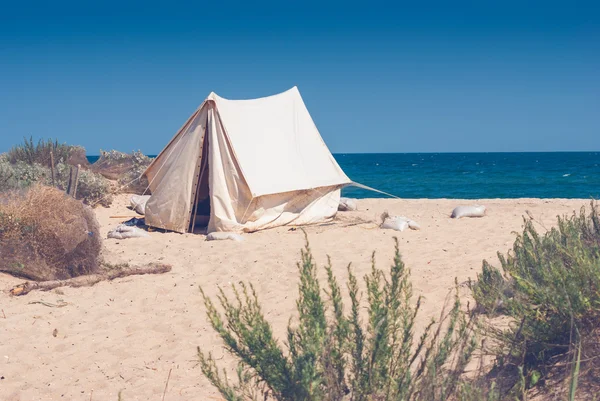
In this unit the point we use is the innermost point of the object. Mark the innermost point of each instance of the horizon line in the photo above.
(434, 153)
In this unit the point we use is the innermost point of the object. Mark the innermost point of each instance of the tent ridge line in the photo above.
(177, 136)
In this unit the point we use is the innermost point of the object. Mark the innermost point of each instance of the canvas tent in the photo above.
(243, 166)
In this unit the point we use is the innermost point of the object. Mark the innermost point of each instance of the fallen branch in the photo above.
(89, 280)
(60, 304)
(166, 384)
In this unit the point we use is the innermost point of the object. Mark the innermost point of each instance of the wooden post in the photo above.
(52, 169)
(73, 178)
(76, 181)
(70, 183)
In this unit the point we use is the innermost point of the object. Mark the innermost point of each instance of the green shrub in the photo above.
(550, 288)
(92, 188)
(330, 354)
(27, 164)
(132, 180)
(30, 153)
(22, 175)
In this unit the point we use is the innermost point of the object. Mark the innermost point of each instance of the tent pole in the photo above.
(196, 204)
(246, 211)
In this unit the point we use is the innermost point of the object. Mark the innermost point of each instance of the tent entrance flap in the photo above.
(201, 205)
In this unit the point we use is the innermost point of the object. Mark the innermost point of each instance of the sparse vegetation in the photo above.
(549, 287)
(22, 175)
(331, 354)
(30, 163)
(30, 153)
(547, 293)
(543, 303)
(125, 168)
(92, 188)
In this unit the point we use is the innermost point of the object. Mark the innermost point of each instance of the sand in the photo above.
(129, 334)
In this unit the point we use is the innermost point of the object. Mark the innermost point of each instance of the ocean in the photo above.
(473, 175)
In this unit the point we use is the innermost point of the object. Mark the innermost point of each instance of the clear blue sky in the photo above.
(376, 77)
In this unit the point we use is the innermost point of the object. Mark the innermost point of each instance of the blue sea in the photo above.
(473, 175)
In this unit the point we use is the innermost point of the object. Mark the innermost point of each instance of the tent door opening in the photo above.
(201, 206)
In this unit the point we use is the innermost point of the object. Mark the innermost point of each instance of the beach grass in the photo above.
(549, 288)
(334, 354)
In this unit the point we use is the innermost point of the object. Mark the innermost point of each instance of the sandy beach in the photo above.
(129, 334)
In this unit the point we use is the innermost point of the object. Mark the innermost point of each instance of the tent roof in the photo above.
(277, 144)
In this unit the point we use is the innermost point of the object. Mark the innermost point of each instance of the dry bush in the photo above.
(47, 235)
(125, 168)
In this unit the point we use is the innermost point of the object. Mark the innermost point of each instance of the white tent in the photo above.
(243, 166)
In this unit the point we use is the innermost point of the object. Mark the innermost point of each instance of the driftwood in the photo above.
(89, 280)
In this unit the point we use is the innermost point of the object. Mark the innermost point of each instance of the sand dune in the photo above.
(128, 334)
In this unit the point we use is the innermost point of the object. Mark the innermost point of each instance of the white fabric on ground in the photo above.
(468, 211)
(138, 203)
(123, 232)
(394, 223)
(223, 235)
(399, 223)
(347, 204)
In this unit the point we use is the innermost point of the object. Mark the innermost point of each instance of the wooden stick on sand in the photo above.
(166, 384)
(89, 280)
